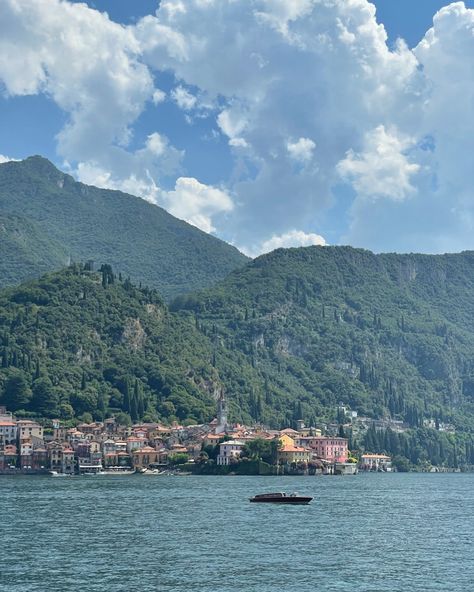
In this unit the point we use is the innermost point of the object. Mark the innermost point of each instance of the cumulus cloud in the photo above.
(197, 203)
(306, 93)
(288, 74)
(293, 238)
(91, 67)
(382, 169)
(183, 98)
(158, 96)
(302, 150)
(440, 216)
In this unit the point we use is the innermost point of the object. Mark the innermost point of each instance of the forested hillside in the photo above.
(388, 335)
(26, 251)
(291, 335)
(86, 223)
(78, 342)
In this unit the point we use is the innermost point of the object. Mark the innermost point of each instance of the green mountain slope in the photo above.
(388, 335)
(23, 246)
(77, 342)
(291, 335)
(140, 239)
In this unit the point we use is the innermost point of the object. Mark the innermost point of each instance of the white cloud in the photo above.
(91, 67)
(293, 238)
(197, 203)
(232, 122)
(277, 76)
(440, 216)
(286, 72)
(183, 98)
(382, 169)
(302, 150)
(158, 96)
(92, 174)
(4, 159)
(85, 62)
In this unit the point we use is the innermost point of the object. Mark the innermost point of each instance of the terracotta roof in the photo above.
(145, 450)
(293, 449)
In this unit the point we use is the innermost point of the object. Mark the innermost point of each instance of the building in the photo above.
(10, 456)
(61, 458)
(222, 410)
(144, 457)
(26, 454)
(375, 462)
(229, 451)
(8, 431)
(135, 444)
(27, 429)
(286, 440)
(330, 448)
(293, 454)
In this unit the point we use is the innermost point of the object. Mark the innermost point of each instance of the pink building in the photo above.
(331, 448)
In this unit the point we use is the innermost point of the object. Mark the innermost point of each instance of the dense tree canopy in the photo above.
(291, 336)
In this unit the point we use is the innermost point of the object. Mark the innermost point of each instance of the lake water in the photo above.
(380, 532)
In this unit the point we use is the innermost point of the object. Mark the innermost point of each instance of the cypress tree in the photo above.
(126, 396)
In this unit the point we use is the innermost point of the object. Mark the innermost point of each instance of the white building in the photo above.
(375, 462)
(29, 429)
(8, 432)
(229, 451)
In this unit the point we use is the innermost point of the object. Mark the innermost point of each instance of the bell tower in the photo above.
(222, 410)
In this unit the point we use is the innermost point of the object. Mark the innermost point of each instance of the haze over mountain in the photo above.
(49, 219)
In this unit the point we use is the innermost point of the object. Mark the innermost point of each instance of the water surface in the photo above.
(382, 532)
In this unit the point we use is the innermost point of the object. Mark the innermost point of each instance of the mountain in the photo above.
(295, 334)
(76, 342)
(26, 250)
(386, 335)
(80, 222)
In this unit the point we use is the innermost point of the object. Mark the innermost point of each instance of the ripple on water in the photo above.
(398, 532)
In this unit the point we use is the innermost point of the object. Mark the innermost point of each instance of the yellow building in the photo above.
(293, 454)
(286, 440)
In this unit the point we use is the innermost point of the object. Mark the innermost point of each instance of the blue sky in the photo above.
(266, 122)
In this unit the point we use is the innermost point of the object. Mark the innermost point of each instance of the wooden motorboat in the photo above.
(281, 498)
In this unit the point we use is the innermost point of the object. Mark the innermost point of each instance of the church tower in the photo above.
(222, 410)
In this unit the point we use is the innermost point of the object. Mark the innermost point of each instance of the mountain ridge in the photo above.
(142, 239)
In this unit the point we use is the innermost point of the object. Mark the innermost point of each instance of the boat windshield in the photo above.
(278, 494)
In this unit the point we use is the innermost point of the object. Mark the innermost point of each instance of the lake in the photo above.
(369, 532)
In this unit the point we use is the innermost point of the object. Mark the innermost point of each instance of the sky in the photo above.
(268, 123)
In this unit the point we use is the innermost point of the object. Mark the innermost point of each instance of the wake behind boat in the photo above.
(281, 498)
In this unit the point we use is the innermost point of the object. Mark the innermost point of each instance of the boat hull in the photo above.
(282, 500)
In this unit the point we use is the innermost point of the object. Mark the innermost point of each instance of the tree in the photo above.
(45, 398)
(123, 419)
(260, 449)
(66, 411)
(85, 401)
(16, 393)
(86, 418)
(179, 458)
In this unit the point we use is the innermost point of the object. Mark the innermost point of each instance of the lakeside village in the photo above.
(27, 447)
